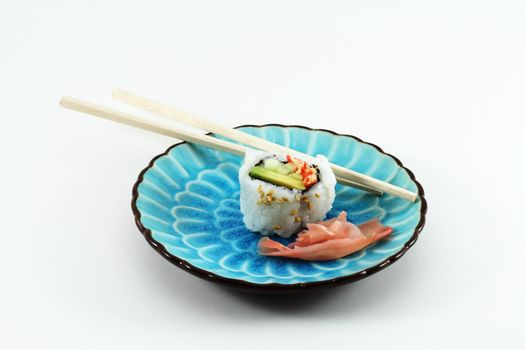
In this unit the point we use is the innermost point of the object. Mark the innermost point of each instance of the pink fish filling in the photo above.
(327, 240)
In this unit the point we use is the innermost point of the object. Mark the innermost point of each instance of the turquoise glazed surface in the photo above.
(187, 205)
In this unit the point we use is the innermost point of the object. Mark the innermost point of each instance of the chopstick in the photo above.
(256, 142)
(144, 124)
(137, 122)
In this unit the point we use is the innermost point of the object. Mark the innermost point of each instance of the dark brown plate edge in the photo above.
(278, 287)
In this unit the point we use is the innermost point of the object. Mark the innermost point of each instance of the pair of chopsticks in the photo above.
(344, 176)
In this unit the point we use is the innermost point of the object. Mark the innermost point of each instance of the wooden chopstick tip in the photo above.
(68, 102)
(63, 100)
(116, 92)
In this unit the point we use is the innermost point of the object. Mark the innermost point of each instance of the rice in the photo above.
(271, 209)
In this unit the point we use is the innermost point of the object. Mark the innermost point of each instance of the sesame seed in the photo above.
(293, 212)
(317, 195)
(298, 219)
(276, 227)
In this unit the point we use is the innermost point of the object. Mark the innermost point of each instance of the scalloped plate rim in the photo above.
(243, 285)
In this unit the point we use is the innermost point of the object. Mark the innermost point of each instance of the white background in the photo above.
(439, 84)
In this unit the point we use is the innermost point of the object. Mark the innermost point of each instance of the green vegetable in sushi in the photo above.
(276, 178)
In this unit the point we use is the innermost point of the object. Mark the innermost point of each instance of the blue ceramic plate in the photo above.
(186, 203)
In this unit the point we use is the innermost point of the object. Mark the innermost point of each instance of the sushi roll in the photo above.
(280, 195)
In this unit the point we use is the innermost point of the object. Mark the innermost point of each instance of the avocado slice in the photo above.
(275, 178)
